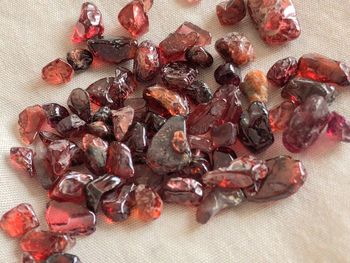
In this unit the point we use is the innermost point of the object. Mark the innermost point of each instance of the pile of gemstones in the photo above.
(110, 153)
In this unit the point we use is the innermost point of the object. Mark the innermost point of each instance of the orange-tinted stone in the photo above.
(119, 160)
(280, 116)
(204, 37)
(57, 72)
(255, 86)
(149, 205)
(231, 12)
(22, 158)
(30, 122)
(122, 119)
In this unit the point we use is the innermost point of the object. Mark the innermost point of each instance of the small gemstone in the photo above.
(224, 135)
(199, 92)
(223, 158)
(204, 37)
(149, 205)
(306, 124)
(236, 48)
(122, 119)
(119, 160)
(89, 25)
(124, 85)
(178, 75)
(254, 128)
(199, 57)
(147, 4)
(145, 176)
(27, 258)
(100, 129)
(96, 153)
(80, 59)
(79, 103)
(63, 258)
(19, 220)
(227, 74)
(71, 125)
(60, 156)
(22, 158)
(30, 121)
(48, 137)
(255, 86)
(137, 138)
(280, 116)
(147, 61)
(154, 122)
(113, 50)
(338, 127)
(231, 12)
(103, 114)
(283, 71)
(55, 113)
(44, 173)
(140, 108)
(99, 91)
(57, 72)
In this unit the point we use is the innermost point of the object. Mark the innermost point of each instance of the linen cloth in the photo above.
(311, 226)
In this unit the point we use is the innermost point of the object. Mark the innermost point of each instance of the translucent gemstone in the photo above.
(323, 69)
(231, 12)
(99, 91)
(255, 86)
(217, 200)
(124, 85)
(134, 19)
(79, 103)
(147, 61)
(235, 47)
(89, 25)
(100, 129)
(55, 113)
(140, 108)
(284, 178)
(147, 4)
(199, 57)
(204, 37)
(254, 128)
(27, 258)
(113, 50)
(224, 135)
(80, 59)
(59, 156)
(227, 74)
(70, 187)
(179, 142)
(145, 176)
(96, 153)
(137, 138)
(57, 72)
(19, 220)
(48, 137)
(103, 114)
(275, 20)
(71, 125)
(63, 258)
(222, 158)
(338, 127)
(122, 119)
(119, 161)
(45, 176)
(154, 122)
(70, 218)
(178, 75)
(30, 121)
(201, 142)
(306, 124)
(22, 158)
(280, 116)
(149, 205)
(165, 102)
(162, 156)
(199, 92)
(41, 244)
(298, 90)
(283, 71)
(197, 168)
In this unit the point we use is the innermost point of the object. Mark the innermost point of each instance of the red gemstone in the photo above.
(23, 158)
(137, 138)
(231, 12)
(149, 205)
(338, 127)
(119, 160)
(283, 71)
(80, 59)
(199, 57)
(199, 92)
(79, 103)
(178, 76)
(55, 113)
(204, 37)
(124, 85)
(100, 129)
(71, 126)
(146, 63)
(48, 137)
(228, 74)
(99, 91)
(57, 72)
(144, 175)
(224, 135)
(280, 116)
(222, 158)
(30, 122)
(60, 156)
(96, 153)
(27, 258)
(122, 119)
(140, 108)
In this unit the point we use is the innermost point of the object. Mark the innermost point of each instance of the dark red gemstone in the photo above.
(140, 108)
(199, 57)
(204, 37)
(60, 156)
(222, 159)
(27, 258)
(119, 161)
(154, 122)
(224, 135)
(99, 91)
(55, 113)
(22, 158)
(280, 116)
(96, 153)
(48, 137)
(79, 103)
(147, 61)
(122, 120)
(30, 122)
(63, 258)
(199, 92)
(80, 59)
(202, 142)
(283, 71)
(196, 169)
(137, 138)
(178, 75)
(124, 85)
(145, 176)
(71, 126)
(100, 129)
(227, 74)
(148, 204)
(104, 114)
(231, 12)
(338, 127)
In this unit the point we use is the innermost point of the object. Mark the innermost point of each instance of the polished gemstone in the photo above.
(280, 116)
(63, 258)
(178, 75)
(147, 61)
(204, 37)
(80, 59)
(148, 204)
(71, 125)
(199, 57)
(230, 12)
(199, 92)
(95, 150)
(227, 74)
(338, 127)
(22, 158)
(255, 86)
(55, 113)
(122, 120)
(283, 71)
(224, 135)
(57, 72)
(30, 121)
(119, 160)
(79, 103)
(100, 129)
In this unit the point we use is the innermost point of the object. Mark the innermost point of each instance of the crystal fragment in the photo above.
(99, 91)
(145, 176)
(124, 85)
(57, 72)
(154, 122)
(204, 37)
(338, 127)
(224, 135)
(199, 92)
(199, 57)
(147, 61)
(55, 113)
(96, 153)
(22, 158)
(178, 75)
(134, 19)
(59, 156)
(100, 129)
(48, 137)
(71, 126)
(80, 59)
(104, 114)
(227, 74)
(283, 71)
(79, 103)
(27, 258)
(148, 204)
(122, 119)
(231, 12)
(30, 121)
(140, 108)
(280, 116)
(222, 159)
(255, 86)
(119, 160)
(137, 138)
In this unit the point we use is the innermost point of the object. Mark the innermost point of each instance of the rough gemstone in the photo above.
(70, 218)
(71, 126)
(199, 57)
(199, 92)
(254, 128)
(227, 74)
(63, 258)
(103, 114)
(147, 61)
(96, 153)
(145, 176)
(201, 142)
(79, 103)
(57, 72)
(323, 69)
(161, 155)
(113, 50)
(275, 20)
(100, 129)
(165, 102)
(224, 135)
(80, 59)
(55, 113)
(283, 71)
(178, 75)
(48, 137)
(154, 122)
(298, 90)
(140, 108)
(22, 158)
(122, 119)
(204, 37)
(89, 25)
(197, 168)
(60, 156)
(119, 160)
(137, 138)
(235, 47)
(222, 158)
(99, 91)
(27, 258)
(306, 124)
(19, 220)
(185, 191)
(255, 86)
(280, 116)
(231, 12)
(147, 4)
(148, 204)
(338, 127)
(30, 121)
(124, 85)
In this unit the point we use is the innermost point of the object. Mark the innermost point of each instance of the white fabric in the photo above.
(311, 226)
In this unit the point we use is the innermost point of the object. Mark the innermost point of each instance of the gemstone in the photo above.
(115, 50)
(59, 156)
(48, 137)
(147, 4)
(63, 258)
(147, 61)
(124, 85)
(122, 119)
(154, 122)
(137, 138)
(96, 153)
(323, 69)
(30, 121)
(275, 20)
(284, 178)
(78, 156)
(222, 158)
(204, 37)
(41, 244)
(134, 19)
(70, 187)
(338, 127)
(201, 142)
(298, 90)
(217, 200)
(89, 24)
(71, 126)
(224, 135)
(227, 74)
(27, 258)
(231, 12)
(166, 155)
(254, 128)
(103, 114)
(197, 168)
(199, 57)
(178, 75)
(283, 71)
(57, 72)
(70, 218)
(186, 191)
(44, 173)
(148, 204)
(236, 48)
(79, 103)
(99, 91)
(280, 116)
(22, 158)
(140, 108)
(80, 59)
(255, 86)
(55, 113)
(119, 161)
(199, 92)
(306, 124)
(100, 129)
(19, 220)
(145, 176)
(165, 102)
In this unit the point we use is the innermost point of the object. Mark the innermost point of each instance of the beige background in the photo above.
(311, 226)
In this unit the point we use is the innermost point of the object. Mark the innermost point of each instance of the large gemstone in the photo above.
(96, 153)
(178, 75)
(57, 72)
(147, 62)
(227, 74)
(22, 158)
(80, 59)
(55, 113)
(338, 127)
(282, 71)
(30, 121)
(231, 12)
(122, 119)
(255, 86)
(199, 92)
(199, 57)
(148, 204)
(280, 116)
(204, 37)
(79, 103)
(71, 126)
(63, 258)
(119, 160)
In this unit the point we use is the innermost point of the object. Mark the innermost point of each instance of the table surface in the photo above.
(311, 226)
